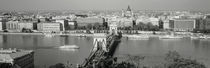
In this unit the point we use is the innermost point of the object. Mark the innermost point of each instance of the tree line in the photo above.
(97, 26)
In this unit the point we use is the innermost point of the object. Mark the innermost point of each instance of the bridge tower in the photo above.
(99, 42)
(113, 29)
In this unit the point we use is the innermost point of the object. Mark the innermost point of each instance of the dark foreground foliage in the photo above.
(173, 60)
(176, 61)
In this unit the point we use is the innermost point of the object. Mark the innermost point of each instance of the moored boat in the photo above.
(69, 47)
(199, 37)
(136, 37)
(49, 35)
(170, 37)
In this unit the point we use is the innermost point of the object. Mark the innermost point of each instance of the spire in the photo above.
(128, 9)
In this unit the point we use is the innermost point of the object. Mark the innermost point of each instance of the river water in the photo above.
(47, 54)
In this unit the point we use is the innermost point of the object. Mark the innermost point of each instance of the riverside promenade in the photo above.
(142, 33)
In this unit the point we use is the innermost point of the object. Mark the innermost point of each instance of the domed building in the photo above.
(128, 13)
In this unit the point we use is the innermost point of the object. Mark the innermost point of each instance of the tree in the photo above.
(47, 19)
(156, 28)
(135, 27)
(66, 25)
(129, 28)
(141, 26)
(75, 25)
(96, 25)
(105, 24)
(23, 30)
(174, 60)
(134, 22)
(149, 26)
(160, 24)
(136, 60)
(4, 23)
(89, 26)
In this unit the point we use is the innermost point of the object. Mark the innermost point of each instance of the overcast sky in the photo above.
(105, 4)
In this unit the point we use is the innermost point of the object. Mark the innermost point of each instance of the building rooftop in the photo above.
(128, 9)
(8, 55)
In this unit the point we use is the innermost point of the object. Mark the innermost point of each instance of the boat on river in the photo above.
(199, 37)
(49, 35)
(69, 47)
(136, 37)
(170, 37)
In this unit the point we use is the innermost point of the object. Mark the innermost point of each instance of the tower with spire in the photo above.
(127, 13)
(128, 9)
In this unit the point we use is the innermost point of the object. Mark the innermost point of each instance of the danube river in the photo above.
(47, 53)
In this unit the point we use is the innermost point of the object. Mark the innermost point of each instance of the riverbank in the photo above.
(54, 34)
(94, 34)
(76, 34)
(7, 33)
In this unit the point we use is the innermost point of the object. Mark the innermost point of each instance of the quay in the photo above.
(15, 58)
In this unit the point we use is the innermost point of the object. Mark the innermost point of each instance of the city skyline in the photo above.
(198, 5)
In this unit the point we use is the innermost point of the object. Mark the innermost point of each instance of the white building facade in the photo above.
(48, 27)
(1, 26)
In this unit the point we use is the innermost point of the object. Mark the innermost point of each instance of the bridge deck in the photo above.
(112, 43)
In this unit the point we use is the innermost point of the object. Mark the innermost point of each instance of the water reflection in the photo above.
(4, 43)
(66, 40)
